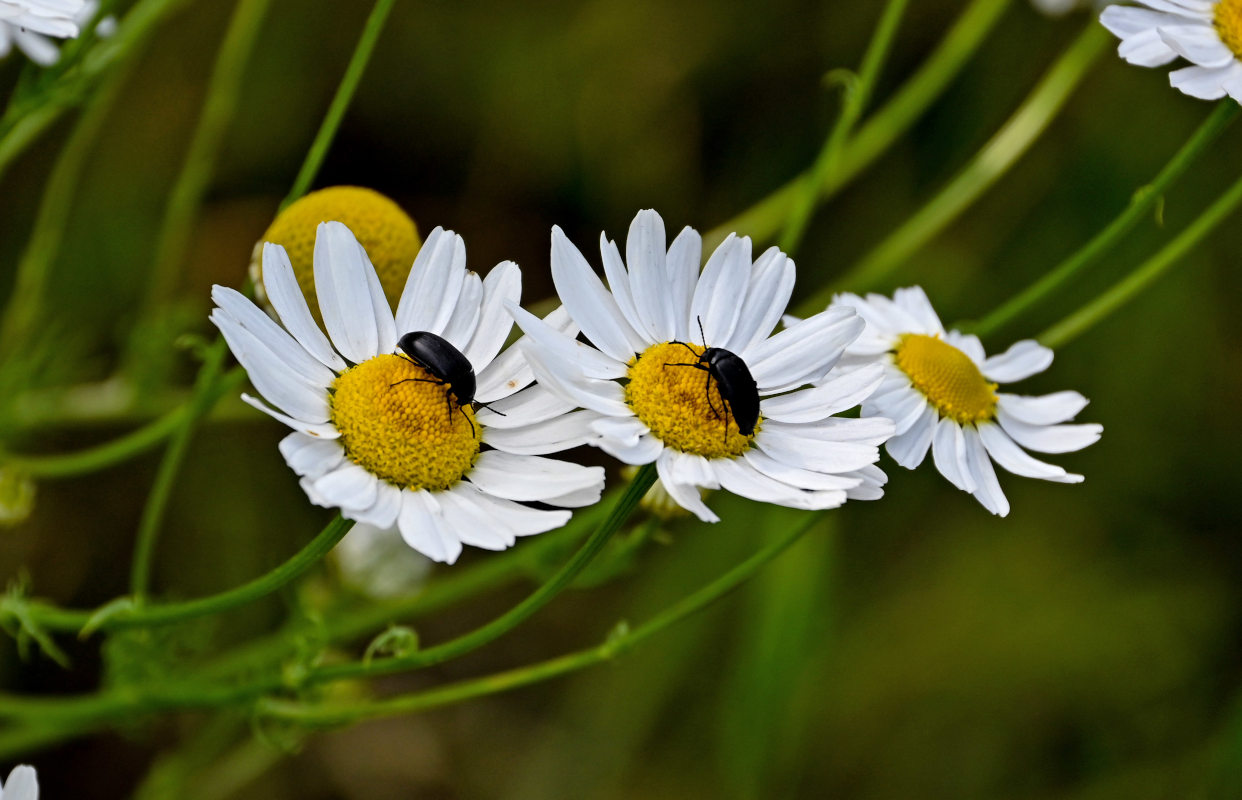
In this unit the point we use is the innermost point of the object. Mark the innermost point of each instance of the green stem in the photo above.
(121, 614)
(857, 94)
(513, 617)
(993, 161)
(26, 302)
(340, 102)
(764, 220)
(200, 403)
(135, 443)
(1143, 201)
(620, 642)
(24, 122)
(1069, 328)
(219, 108)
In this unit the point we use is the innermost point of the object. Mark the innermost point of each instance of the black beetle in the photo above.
(446, 363)
(733, 378)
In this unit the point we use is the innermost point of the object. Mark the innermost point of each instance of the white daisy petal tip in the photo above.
(941, 392)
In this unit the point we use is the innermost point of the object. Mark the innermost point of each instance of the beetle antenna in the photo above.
(702, 336)
(488, 406)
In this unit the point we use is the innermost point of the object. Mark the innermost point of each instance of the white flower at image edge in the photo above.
(940, 390)
(649, 402)
(1206, 33)
(22, 784)
(29, 23)
(377, 436)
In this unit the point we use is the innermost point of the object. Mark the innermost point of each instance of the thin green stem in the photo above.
(135, 443)
(1142, 203)
(201, 399)
(763, 221)
(506, 622)
(26, 303)
(1000, 153)
(219, 109)
(1122, 292)
(25, 121)
(122, 613)
(857, 94)
(340, 102)
(621, 641)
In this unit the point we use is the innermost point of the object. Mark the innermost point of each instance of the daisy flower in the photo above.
(29, 23)
(22, 784)
(940, 389)
(384, 439)
(682, 371)
(1207, 33)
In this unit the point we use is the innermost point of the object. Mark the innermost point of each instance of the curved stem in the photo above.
(857, 94)
(340, 102)
(219, 108)
(1069, 328)
(201, 400)
(1143, 201)
(1000, 153)
(120, 613)
(513, 617)
(135, 443)
(764, 220)
(622, 640)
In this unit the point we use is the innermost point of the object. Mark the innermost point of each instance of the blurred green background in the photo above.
(1085, 647)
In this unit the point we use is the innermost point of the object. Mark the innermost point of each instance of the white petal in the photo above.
(684, 493)
(501, 286)
(1197, 43)
(987, 488)
(685, 255)
(509, 372)
(23, 784)
(1003, 450)
(721, 292)
(521, 520)
(913, 301)
(872, 484)
(323, 430)
(309, 455)
(807, 405)
(771, 285)
(1201, 82)
(1024, 359)
(646, 449)
(904, 406)
(742, 479)
(383, 512)
(549, 436)
(817, 456)
(348, 487)
(470, 521)
(910, 448)
(605, 397)
(38, 49)
(645, 257)
(589, 303)
(283, 292)
(579, 498)
(796, 476)
(1049, 438)
(344, 291)
(274, 378)
(263, 328)
(623, 430)
(424, 528)
(531, 405)
(529, 478)
(619, 284)
(590, 362)
(435, 281)
(949, 455)
(465, 320)
(970, 345)
(1046, 410)
(864, 430)
(802, 352)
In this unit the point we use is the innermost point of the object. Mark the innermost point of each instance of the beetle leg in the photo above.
(416, 380)
(707, 390)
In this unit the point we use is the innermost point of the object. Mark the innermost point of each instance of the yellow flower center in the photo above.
(682, 405)
(402, 427)
(1228, 22)
(385, 231)
(947, 378)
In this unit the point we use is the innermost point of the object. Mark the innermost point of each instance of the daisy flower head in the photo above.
(941, 391)
(1207, 33)
(682, 371)
(22, 784)
(384, 430)
(29, 23)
